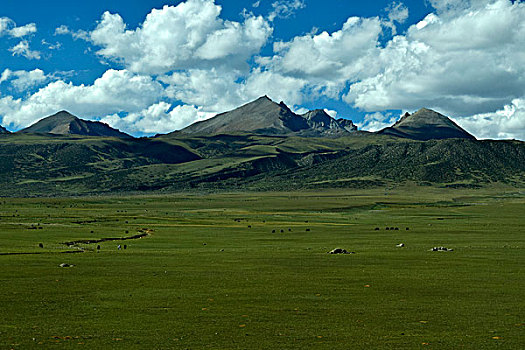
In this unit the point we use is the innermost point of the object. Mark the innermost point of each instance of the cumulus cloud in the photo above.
(22, 80)
(115, 91)
(161, 117)
(376, 121)
(9, 27)
(19, 32)
(285, 8)
(22, 49)
(464, 59)
(189, 35)
(506, 123)
(328, 60)
(466, 64)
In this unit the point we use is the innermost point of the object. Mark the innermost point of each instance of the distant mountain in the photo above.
(265, 117)
(3, 130)
(64, 123)
(426, 124)
(322, 123)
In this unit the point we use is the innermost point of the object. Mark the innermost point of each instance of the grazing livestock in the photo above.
(41, 245)
(441, 249)
(339, 251)
(400, 245)
(119, 247)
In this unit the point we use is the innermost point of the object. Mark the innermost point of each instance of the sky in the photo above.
(154, 66)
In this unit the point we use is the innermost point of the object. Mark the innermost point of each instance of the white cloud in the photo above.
(452, 7)
(55, 46)
(5, 23)
(22, 80)
(114, 92)
(465, 60)
(506, 123)
(376, 121)
(9, 27)
(78, 34)
(328, 56)
(331, 113)
(22, 49)
(157, 118)
(19, 32)
(187, 36)
(62, 30)
(397, 12)
(465, 64)
(285, 8)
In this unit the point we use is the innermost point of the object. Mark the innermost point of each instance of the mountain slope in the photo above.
(40, 164)
(426, 124)
(322, 124)
(44, 164)
(262, 116)
(64, 123)
(3, 130)
(265, 117)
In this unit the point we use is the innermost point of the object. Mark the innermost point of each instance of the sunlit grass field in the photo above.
(211, 274)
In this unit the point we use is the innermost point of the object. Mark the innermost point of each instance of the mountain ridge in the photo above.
(65, 123)
(266, 117)
(424, 125)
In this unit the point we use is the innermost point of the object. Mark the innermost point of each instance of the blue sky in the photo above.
(150, 67)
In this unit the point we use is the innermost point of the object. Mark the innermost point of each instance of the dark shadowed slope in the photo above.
(426, 124)
(3, 130)
(64, 123)
(265, 117)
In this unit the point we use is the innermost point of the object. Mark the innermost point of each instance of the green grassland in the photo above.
(212, 275)
(50, 165)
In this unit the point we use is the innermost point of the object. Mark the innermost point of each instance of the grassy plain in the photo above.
(204, 279)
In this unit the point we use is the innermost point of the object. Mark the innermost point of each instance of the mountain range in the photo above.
(262, 145)
(265, 117)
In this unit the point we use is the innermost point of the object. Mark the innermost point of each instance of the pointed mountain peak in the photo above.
(63, 115)
(65, 123)
(426, 124)
(316, 113)
(264, 116)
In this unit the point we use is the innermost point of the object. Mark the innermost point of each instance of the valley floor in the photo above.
(251, 271)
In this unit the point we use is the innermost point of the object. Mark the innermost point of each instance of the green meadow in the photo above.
(251, 270)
